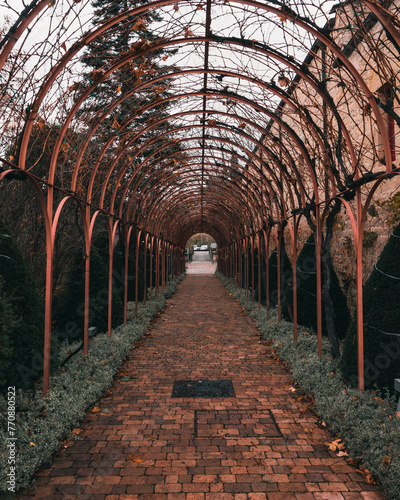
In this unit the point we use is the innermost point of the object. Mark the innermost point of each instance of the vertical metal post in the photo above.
(86, 300)
(319, 280)
(241, 266)
(110, 270)
(48, 310)
(163, 265)
(246, 262)
(359, 285)
(145, 269)
(266, 242)
(278, 270)
(157, 266)
(259, 270)
(126, 284)
(173, 255)
(252, 268)
(88, 245)
(294, 277)
(231, 258)
(138, 234)
(151, 266)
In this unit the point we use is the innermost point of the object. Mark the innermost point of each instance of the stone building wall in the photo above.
(375, 59)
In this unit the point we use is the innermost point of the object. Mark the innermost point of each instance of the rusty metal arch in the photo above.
(262, 147)
(273, 198)
(273, 89)
(244, 120)
(290, 16)
(179, 198)
(219, 139)
(275, 205)
(124, 194)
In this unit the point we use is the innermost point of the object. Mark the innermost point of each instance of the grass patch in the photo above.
(365, 421)
(43, 422)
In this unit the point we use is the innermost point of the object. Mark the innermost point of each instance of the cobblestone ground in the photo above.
(261, 444)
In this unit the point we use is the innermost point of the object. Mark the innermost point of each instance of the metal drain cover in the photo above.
(203, 389)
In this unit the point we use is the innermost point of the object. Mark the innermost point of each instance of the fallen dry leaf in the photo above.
(136, 458)
(337, 444)
(369, 479)
(96, 409)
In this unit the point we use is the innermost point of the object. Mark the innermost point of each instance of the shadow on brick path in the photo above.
(262, 443)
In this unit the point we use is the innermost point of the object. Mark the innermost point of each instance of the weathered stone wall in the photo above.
(377, 61)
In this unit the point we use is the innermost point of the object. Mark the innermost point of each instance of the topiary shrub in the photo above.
(381, 323)
(306, 294)
(9, 325)
(22, 318)
(262, 280)
(286, 277)
(69, 304)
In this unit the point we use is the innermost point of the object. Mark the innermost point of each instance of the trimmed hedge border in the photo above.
(43, 422)
(366, 421)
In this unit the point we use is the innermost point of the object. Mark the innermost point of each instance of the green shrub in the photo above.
(119, 269)
(9, 325)
(365, 421)
(21, 299)
(69, 301)
(306, 294)
(381, 323)
(72, 390)
(287, 276)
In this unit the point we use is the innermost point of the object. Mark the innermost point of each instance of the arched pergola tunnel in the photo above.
(241, 119)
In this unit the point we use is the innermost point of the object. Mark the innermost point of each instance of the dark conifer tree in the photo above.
(307, 294)
(9, 326)
(381, 323)
(69, 304)
(286, 277)
(126, 38)
(23, 309)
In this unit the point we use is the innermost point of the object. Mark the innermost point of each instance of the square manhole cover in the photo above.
(203, 389)
(244, 423)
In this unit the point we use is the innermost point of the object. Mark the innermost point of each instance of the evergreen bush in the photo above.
(306, 294)
(262, 279)
(72, 390)
(119, 270)
(8, 327)
(381, 323)
(22, 317)
(365, 421)
(286, 277)
(69, 304)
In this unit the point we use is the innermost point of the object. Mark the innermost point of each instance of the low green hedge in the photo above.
(365, 421)
(42, 422)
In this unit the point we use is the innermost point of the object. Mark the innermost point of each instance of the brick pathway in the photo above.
(261, 444)
(206, 267)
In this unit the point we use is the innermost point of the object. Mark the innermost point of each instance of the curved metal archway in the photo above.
(208, 141)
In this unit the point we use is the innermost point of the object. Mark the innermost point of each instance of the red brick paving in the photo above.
(146, 447)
